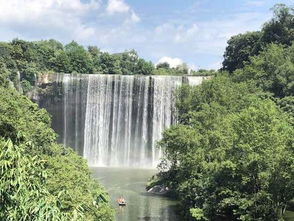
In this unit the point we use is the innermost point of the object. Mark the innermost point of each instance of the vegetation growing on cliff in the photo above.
(39, 179)
(231, 156)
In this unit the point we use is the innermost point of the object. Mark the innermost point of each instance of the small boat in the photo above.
(121, 201)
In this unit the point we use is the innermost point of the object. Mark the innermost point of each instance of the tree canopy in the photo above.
(39, 179)
(279, 30)
(230, 157)
(272, 70)
(24, 60)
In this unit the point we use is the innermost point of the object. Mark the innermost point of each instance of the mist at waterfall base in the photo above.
(114, 120)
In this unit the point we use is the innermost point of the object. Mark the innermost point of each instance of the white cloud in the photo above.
(206, 37)
(134, 17)
(109, 24)
(173, 62)
(64, 20)
(117, 6)
(84, 33)
(186, 35)
(34, 9)
(53, 18)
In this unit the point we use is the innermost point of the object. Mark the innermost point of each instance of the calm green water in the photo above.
(130, 183)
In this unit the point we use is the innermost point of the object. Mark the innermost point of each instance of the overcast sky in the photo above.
(193, 31)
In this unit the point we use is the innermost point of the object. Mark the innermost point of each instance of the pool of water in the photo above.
(130, 183)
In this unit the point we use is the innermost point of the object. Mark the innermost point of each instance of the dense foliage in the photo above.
(27, 59)
(279, 30)
(24, 60)
(165, 69)
(272, 70)
(39, 179)
(182, 69)
(231, 156)
(22, 180)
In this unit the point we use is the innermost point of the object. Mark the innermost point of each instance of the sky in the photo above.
(175, 31)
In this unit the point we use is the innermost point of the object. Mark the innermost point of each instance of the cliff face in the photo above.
(47, 78)
(48, 88)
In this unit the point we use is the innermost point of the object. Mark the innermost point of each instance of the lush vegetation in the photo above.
(39, 179)
(165, 69)
(183, 69)
(279, 30)
(27, 59)
(231, 156)
(24, 60)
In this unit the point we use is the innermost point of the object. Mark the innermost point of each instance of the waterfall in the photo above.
(70, 125)
(116, 120)
(164, 112)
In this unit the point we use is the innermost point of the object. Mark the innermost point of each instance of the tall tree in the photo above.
(280, 29)
(272, 70)
(79, 58)
(240, 48)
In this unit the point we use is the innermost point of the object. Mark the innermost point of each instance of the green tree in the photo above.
(65, 189)
(6, 51)
(203, 72)
(47, 53)
(95, 55)
(231, 155)
(240, 48)
(144, 68)
(287, 105)
(272, 70)
(80, 59)
(164, 65)
(23, 52)
(4, 75)
(68, 172)
(110, 64)
(62, 62)
(280, 29)
(23, 195)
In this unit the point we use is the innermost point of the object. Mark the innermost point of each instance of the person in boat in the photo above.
(121, 200)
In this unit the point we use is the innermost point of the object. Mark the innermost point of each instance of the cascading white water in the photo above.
(164, 112)
(65, 105)
(116, 120)
(69, 120)
(125, 116)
